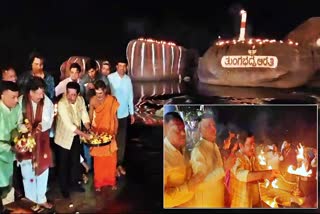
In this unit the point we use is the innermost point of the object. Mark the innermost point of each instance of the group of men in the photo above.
(198, 179)
(28, 102)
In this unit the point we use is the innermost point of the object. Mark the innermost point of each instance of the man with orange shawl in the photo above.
(103, 114)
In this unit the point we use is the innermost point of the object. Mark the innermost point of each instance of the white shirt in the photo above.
(47, 112)
(62, 86)
(206, 159)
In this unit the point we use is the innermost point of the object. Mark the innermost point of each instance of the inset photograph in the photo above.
(240, 156)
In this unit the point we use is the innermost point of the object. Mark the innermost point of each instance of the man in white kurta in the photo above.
(178, 188)
(34, 183)
(206, 160)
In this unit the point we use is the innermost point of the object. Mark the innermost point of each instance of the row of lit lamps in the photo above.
(156, 41)
(252, 41)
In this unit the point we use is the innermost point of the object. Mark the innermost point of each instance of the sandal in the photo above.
(35, 208)
(47, 205)
(118, 172)
(85, 178)
(122, 171)
(40, 210)
(86, 167)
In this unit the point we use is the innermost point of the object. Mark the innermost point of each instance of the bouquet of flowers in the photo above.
(22, 138)
(98, 139)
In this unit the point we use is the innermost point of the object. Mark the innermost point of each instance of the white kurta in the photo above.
(176, 190)
(206, 159)
(35, 187)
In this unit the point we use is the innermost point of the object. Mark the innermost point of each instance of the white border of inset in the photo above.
(247, 105)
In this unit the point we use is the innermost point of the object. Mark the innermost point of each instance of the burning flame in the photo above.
(274, 184)
(300, 152)
(222, 42)
(156, 41)
(266, 182)
(300, 171)
(262, 159)
(272, 204)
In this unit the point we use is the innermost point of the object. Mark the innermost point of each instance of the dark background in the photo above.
(269, 124)
(102, 29)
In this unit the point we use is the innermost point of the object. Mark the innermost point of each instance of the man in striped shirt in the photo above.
(246, 173)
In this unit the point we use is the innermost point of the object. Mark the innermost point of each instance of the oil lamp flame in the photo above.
(266, 183)
(262, 159)
(274, 184)
(302, 171)
(300, 152)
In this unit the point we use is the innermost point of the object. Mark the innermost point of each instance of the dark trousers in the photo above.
(17, 181)
(122, 138)
(69, 165)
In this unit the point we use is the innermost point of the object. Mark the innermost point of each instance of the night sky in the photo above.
(102, 29)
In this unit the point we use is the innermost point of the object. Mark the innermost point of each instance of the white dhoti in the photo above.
(35, 187)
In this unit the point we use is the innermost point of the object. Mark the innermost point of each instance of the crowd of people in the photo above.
(225, 176)
(58, 117)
